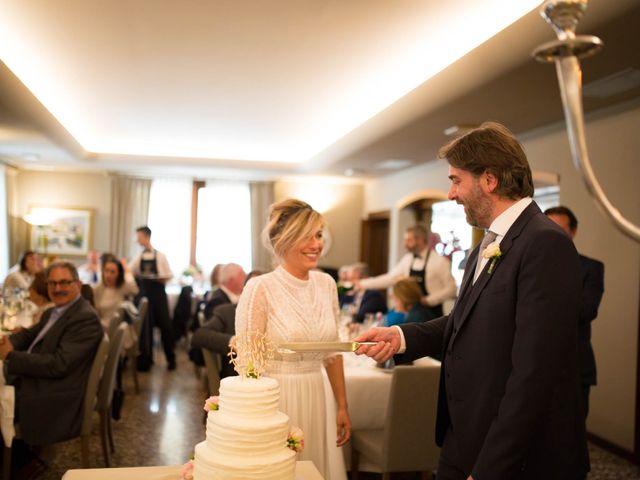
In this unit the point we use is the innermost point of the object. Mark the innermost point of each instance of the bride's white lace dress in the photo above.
(288, 309)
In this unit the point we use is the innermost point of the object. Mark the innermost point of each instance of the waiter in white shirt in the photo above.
(431, 271)
(152, 271)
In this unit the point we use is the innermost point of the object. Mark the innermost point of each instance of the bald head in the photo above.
(232, 277)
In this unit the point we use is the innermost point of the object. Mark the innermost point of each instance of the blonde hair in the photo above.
(407, 292)
(290, 221)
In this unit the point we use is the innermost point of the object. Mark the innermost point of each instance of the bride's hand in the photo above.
(344, 426)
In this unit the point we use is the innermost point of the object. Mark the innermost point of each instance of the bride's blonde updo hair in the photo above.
(290, 221)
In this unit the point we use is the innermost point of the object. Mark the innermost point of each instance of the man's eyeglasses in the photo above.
(61, 283)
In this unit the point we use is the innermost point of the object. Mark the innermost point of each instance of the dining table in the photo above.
(7, 404)
(304, 471)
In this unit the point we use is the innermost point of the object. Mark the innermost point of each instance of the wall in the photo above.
(60, 189)
(614, 145)
(341, 204)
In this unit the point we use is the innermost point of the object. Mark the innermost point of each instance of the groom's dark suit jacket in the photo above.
(592, 290)
(509, 385)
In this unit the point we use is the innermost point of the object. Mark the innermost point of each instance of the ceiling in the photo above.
(263, 89)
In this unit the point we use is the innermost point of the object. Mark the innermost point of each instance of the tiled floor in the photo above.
(161, 425)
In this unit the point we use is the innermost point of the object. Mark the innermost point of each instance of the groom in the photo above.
(509, 398)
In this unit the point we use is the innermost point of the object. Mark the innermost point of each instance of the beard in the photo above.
(477, 208)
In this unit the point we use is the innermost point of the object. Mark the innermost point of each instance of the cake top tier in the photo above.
(240, 384)
(249, 397)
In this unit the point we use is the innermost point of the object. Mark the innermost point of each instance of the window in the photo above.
(449, 221)
(4, 231)
(547, 197)
(170, 221)
(224, 225)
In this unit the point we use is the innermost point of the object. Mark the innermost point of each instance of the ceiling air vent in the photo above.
(393, 164)
(619, 82)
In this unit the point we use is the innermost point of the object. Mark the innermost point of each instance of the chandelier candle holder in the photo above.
(563, 16)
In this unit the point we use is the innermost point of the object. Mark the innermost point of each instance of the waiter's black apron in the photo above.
(158, 315)
(420, 277)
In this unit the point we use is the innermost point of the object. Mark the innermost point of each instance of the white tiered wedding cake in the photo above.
(246, 436)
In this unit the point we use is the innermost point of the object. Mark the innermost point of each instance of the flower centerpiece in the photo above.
(492, 252)
(295, 440)
(191, 274)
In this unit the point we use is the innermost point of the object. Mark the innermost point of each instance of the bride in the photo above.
(294, 303)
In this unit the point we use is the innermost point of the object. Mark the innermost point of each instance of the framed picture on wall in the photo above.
(60, 231)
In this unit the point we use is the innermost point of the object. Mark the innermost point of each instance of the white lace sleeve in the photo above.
(252, 311)
(332, 290)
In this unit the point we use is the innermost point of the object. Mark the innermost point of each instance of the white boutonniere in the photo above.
(493, 253)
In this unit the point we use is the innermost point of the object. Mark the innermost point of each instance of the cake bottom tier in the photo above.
(211, 465)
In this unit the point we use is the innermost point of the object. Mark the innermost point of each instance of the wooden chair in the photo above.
(212, 367)
(407, 441)
(132, 352)
(114, 322)
(105, 392)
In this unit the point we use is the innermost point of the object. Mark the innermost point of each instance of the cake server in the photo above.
(323, 346)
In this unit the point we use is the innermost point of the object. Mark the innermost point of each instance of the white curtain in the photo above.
(129, 210)
(262, 196)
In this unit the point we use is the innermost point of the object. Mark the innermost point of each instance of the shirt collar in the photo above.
(502, 223)
(422, 254)
(232, 296)
(63, 308)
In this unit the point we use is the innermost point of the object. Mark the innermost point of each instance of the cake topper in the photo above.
(250, 354)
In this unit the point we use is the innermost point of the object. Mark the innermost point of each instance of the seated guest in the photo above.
(87, 293)
(214, 279)
(406, 299)
(39, 297)
(365, 301)
(89, 272)
(49, 363)
(21, 278)
(215, 335)
(232, 279)
(116, 286)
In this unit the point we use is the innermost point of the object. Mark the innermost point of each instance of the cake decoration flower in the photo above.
(295, 440)
(211, 404)
(187, 471)
(492, 252)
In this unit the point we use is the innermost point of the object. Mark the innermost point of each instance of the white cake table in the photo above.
(304, 471)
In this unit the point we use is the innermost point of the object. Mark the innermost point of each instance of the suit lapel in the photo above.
(484, 278)
(55, 330)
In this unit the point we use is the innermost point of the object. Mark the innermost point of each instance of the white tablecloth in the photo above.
(7, 409)
(368, 389)
(304, 471)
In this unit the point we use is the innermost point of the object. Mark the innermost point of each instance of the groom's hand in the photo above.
(388, 343)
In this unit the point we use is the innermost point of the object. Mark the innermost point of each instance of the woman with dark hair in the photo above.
(39, 297)
(30, 264)
(116, 286)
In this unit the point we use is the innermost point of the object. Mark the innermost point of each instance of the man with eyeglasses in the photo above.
(49, 363)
